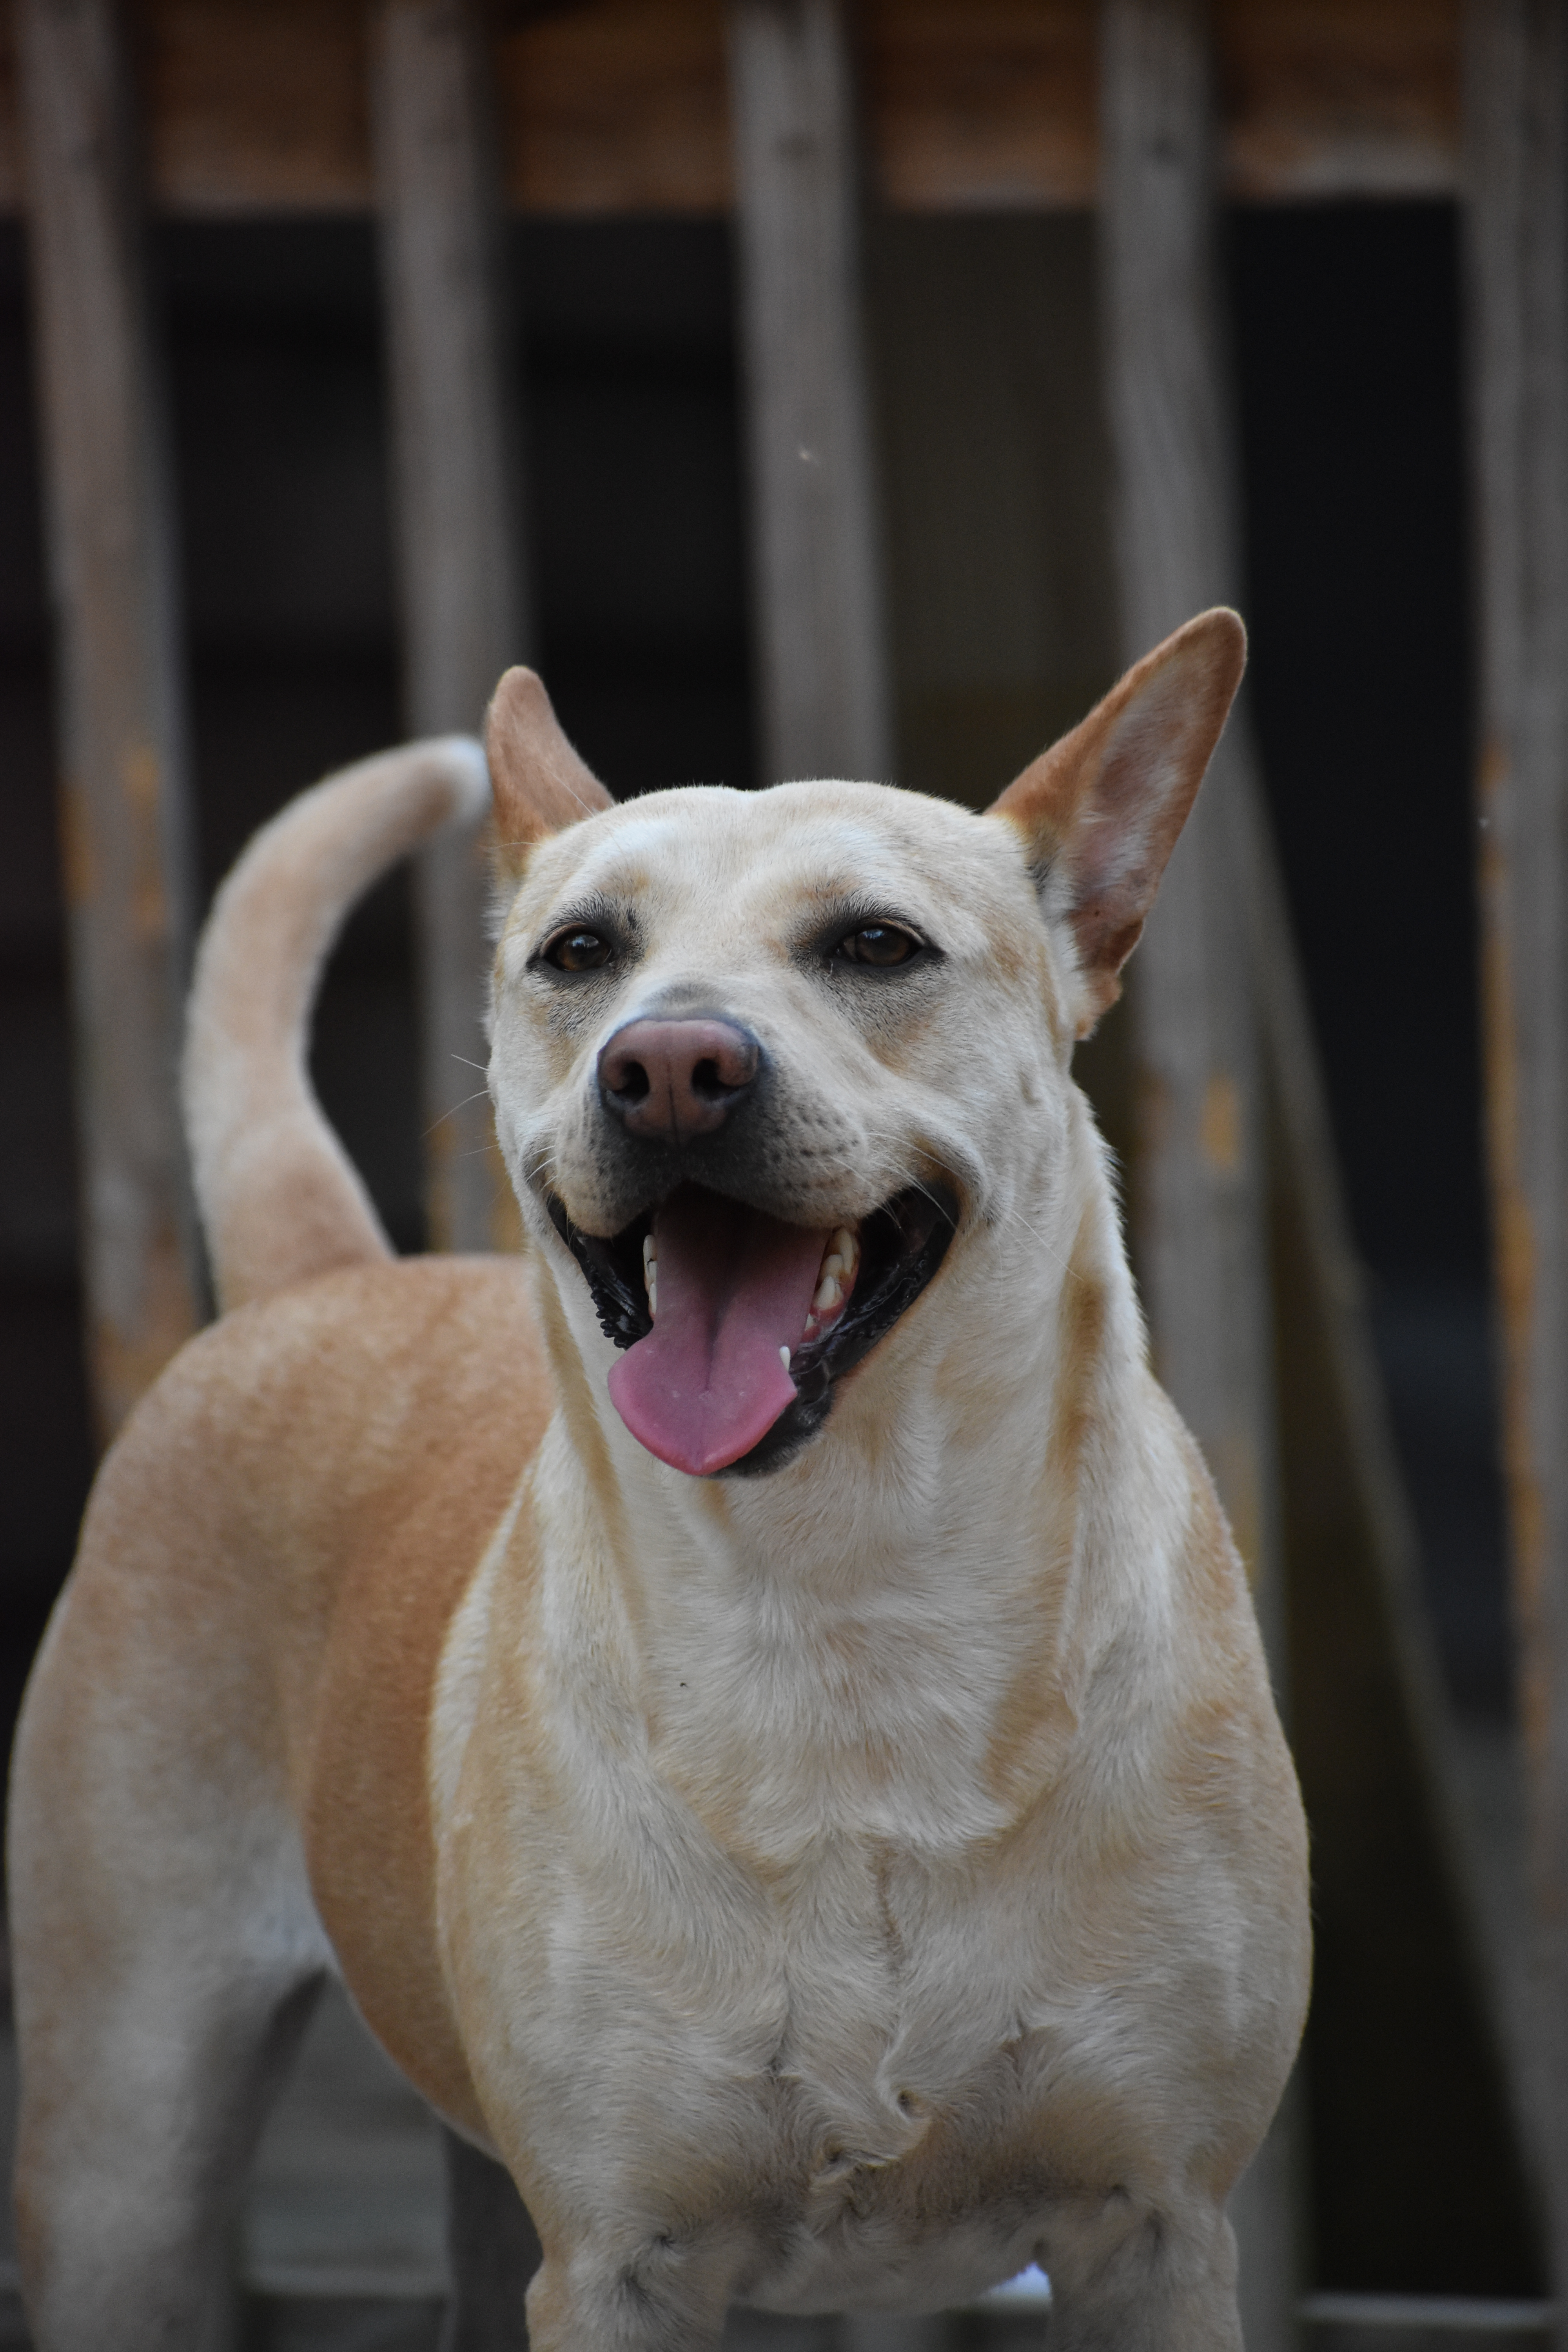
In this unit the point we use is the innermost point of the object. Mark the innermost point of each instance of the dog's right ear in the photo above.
(1099, 812)
(539, 784)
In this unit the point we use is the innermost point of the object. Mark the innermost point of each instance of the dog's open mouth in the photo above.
(736, 1326)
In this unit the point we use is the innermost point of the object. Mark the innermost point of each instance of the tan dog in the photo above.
(758, 1702)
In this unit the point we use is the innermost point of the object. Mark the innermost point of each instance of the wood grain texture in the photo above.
(620, 105)
(123, 786)
(816, 556)
(457, 525)
(1516, 89)
(1199, 1183)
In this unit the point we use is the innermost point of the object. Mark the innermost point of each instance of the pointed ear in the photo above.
(539, 784)
(1099, 812)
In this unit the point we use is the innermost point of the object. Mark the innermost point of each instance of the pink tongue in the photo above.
(734, 1286)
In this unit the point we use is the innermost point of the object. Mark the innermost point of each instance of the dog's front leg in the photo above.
(1131, 2279)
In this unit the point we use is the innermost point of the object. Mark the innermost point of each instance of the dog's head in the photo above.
(758, 1057)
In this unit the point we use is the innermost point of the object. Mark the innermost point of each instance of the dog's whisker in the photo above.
(480, 1094)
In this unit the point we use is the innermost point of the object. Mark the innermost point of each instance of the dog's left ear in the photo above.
(540, 785)
(1099, 812)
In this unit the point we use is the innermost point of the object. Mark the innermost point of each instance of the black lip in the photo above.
(902, 1244)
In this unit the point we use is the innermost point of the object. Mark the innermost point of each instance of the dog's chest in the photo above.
(848, 2039)
(778, 1969)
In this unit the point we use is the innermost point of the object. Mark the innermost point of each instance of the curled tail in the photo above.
(278, 1196)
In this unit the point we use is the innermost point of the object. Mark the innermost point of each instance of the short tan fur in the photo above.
(830, 1888)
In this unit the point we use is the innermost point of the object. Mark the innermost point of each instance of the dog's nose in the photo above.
(674, 1079)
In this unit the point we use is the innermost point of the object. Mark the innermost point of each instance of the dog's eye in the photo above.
(881, 944)
(578, 950)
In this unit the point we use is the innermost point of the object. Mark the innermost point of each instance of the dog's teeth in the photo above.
(649, 1249)
(832, 1262)
(828, 1296)
(845, 1246)
(783, 1357)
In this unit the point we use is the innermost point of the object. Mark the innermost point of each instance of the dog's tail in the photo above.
(278, 1199)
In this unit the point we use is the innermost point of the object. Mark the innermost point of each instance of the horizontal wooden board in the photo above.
(621, 106)
(1327, 97)
(986, 103)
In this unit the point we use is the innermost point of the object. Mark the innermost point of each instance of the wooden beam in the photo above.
(1199, 1182)
(1338, 97)
(1201, 1250)
(617, 105)
(817, 559)
(620, 105)
(124, 806)
(457, 525)
(1516, 104)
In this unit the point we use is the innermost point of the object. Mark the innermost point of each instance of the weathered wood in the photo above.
(124, 808)
(457, 523)
(1402, 1961)
(987, 104)
(1338, 97)
(819, 623)
(620, 105)
(1516, 101)
(1199, 1185)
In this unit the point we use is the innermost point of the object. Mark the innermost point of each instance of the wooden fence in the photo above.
(792, 112)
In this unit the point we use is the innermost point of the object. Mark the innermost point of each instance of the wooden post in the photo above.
(1516, 133)
(1403, 1960)
(458, 532)
(124, 802)
(1199, 1187)
(816, 566)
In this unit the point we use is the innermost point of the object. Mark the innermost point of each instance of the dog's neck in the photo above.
(911, 1587)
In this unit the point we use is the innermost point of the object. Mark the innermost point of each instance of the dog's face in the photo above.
(759, 1056)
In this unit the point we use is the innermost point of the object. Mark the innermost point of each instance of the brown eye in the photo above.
(579, 951)
(879, 944)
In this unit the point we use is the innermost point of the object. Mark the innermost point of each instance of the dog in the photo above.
(756, 1697)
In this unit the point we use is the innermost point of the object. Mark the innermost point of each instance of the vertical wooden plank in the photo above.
(1200, 1200)
(460, 573)
(1201, 1250)
(124, 794)
(820, 630)
(1403, 1963)
(1516, 137)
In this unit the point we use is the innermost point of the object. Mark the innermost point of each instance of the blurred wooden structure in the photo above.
(621, 105)
(124, 811)
(792, 113)
(1516, 92)
(461, 563)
